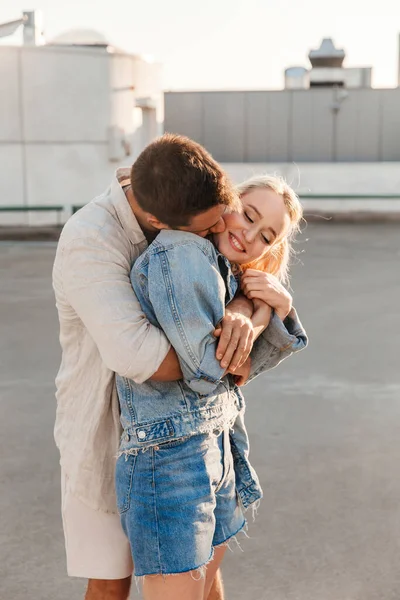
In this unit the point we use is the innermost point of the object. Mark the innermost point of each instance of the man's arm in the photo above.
(235, 333)
(243, 323)
(170, 369)
(274, 339)
(95, 280)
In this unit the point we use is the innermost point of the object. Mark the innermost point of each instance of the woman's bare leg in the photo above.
(171, 587)
(217, 588)
(184, 585)
(213, 575)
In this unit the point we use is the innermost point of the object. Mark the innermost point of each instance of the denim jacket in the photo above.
(183, 285)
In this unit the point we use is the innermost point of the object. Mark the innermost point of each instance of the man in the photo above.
(103, 331)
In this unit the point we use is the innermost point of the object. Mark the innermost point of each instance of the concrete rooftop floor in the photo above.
(324, 428)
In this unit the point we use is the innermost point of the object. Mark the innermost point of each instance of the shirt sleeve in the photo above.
(279, 341)
(95, 280)
(187, 293)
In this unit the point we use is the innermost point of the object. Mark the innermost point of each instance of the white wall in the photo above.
(333, 178)
(122, 98)
(86, 173)
(57, 109)
(290, 125)
(328, 178)
(10, 116)
(65, 94)
(144, 78)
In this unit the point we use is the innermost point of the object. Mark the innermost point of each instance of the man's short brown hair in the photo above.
(175, 179)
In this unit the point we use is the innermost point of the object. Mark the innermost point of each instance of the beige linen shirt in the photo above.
(102, 331)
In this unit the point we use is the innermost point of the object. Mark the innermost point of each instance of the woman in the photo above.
(183, 477)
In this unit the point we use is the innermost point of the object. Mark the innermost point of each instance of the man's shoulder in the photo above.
(95, 222)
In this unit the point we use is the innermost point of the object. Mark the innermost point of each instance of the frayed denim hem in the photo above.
(232, 538)
(197, 573)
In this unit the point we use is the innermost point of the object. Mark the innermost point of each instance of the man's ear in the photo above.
(154, 222)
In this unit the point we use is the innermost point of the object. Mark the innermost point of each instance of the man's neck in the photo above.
(149, 231)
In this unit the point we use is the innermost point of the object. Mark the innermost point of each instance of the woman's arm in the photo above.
(285, 334)
(187, 294)
(260, 315)
(257, 312)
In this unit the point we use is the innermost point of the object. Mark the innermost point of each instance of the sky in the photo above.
(232, 44)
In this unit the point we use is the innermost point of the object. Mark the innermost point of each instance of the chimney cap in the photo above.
(327, 55)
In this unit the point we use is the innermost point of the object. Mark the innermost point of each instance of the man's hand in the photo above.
(236, 338)
(241, 374)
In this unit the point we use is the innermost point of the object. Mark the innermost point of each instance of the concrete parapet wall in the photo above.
(327, 178)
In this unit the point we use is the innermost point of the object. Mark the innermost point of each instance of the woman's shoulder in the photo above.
(179, 245)
(174, 237)
(182, 243)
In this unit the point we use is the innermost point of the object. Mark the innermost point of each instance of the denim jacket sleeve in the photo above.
(187, 294)
(279, 341)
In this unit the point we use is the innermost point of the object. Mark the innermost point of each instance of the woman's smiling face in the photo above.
(249, 235)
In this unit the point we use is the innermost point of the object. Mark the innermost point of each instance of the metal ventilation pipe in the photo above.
(33, 28)
(398, 65)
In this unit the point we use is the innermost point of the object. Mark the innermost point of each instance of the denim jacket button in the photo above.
(141, 435)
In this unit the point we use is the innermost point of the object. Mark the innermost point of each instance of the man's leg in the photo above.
(106, 589)
(217, 588)
(97, 549)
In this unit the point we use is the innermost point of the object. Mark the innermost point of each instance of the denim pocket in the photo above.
(225, 458)
(123, 481)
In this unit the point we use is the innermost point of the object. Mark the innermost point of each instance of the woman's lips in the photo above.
(235, 243)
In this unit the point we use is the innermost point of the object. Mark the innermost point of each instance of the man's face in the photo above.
(207, 222)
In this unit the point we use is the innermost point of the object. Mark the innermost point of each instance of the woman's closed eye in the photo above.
(264, 239)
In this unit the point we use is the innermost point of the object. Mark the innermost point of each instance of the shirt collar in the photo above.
(124, 212)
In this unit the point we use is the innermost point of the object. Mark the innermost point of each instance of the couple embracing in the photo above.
(170, 293)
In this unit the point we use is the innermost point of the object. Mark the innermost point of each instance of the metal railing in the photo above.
(58, 209)
(36, 209)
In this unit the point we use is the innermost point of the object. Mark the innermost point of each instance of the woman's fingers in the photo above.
(261, 289)
(254, 273)
(260, 281)
(257, 285)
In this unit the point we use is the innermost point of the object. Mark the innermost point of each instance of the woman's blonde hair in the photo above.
(277, 258)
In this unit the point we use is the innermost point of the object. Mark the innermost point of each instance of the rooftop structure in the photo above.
(327, 70)
(71, 111)
(31, 23)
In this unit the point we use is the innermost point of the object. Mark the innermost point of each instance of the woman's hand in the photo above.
(257, 285)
